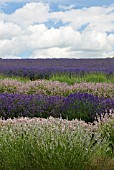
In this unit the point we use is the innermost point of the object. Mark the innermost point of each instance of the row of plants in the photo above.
(45, 69)
(56, 88)
(83, 106)
(45, 144)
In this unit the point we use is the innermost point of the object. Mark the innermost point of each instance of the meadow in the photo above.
(57, 114)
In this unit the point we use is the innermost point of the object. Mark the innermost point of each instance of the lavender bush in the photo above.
(16, 105)
(78, 105)
(86, 106)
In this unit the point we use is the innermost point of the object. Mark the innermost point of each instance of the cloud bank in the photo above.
(31, 32)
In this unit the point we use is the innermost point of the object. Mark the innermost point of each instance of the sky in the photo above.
(56, 29)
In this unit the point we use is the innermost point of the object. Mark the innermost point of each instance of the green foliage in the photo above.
(107, 129)
(92, 77)
(95, 78)
(65, 78)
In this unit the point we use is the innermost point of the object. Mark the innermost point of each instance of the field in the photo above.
(57, 114)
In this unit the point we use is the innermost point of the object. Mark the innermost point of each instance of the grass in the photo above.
(18, 78)
(67, 79)
(92, 77)
(56, 146)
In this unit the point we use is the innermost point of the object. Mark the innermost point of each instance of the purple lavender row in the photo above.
(40, 68)
(78, 105)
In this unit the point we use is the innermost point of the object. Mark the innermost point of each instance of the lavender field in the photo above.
(77, 93)
(45, 96)
(44, 68)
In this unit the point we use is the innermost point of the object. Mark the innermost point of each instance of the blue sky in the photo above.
(11, 6)
(58, 28)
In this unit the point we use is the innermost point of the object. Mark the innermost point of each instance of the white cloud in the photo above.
(94, 41)
(99, 18)
(111, 40)
(54, 52)
(25, 30)
(9, 30)
(12, 56)
(30, 14)
(67, 53)
(48, 38)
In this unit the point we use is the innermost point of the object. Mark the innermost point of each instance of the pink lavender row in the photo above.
(78, 105)
(51, 121)
(56, 88)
